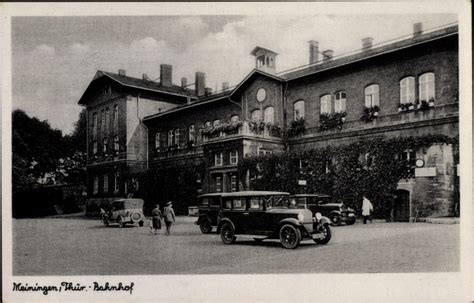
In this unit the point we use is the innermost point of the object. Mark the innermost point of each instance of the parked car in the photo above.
(336, 211)
(125, 211)
(267, 215)
(209, 206)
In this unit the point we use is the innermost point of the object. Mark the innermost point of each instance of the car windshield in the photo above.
(276, 202)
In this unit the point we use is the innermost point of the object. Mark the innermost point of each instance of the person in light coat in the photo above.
(168, 215)
(367, 209)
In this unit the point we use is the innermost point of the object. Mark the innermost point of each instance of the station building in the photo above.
(404, 88)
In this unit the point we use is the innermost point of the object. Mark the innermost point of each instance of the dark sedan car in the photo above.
(268, 215)
(336, 211)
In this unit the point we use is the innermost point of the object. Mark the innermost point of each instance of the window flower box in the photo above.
(331, 121)
(370, 113)
(431, 102)
(297, 127)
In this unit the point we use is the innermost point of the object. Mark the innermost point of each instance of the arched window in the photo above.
(372, 95)
(269, 115)
(207, 124)
(94, 125)
(256, 115)
(191, 133)
(407, 90)
(326, 104)
(158, 140)
(427, 86)
(234, 118)
(116, 116)
(216, 122)
(105, 145)
(298, 110)
(340, 102)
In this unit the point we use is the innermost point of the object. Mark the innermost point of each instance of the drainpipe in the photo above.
(146, 128)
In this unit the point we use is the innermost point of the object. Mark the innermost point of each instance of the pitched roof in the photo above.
(141, 84)
(386, 48)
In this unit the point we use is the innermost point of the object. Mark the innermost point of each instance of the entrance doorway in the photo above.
(401, 207)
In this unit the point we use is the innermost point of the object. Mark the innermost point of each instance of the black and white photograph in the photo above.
(237, 152)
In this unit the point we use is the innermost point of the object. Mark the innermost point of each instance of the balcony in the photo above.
(178, 152)
(231, 130)
(391, 119)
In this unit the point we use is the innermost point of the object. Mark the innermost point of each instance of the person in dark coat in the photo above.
(156, 219)
(168, 214)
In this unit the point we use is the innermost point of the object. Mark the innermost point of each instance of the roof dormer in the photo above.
(265, 59)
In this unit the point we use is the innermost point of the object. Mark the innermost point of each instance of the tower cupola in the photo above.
(265, 59)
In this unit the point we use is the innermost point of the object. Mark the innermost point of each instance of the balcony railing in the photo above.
(244, 130)
(178, 151)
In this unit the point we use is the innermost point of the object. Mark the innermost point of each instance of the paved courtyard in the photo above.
(86, 247)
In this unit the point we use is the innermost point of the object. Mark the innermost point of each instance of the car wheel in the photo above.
(290, 236)
(141, 223)
(120, 222)
(326, 230)
(351, 222)
(335, 220)
(227, 233)
(205, 226)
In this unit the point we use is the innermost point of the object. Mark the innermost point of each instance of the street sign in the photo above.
(302, 182)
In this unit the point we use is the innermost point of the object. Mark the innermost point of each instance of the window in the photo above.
(256, 203)
(191, 133)
(116, 119)
(298, 109)
(261, 151)
(117, 181)
(218, 159)
(256, 115)
(269, 115)
(238, 203)
(94, 147)
(106, 183)
(94, 125)
(105, 146)
(102, 122)
(96, 185)
(427, 86)
(407, 90)
(116, 144)
(170, 138)
(218, 184)
(234, 118)
(234, 157)
(233, 183)
(216, 122)
(325, 104)
(176, 137)
(340, 102)
(372, 95)
(107, 121)
(207, 124)
(409, 157)
(158, 140)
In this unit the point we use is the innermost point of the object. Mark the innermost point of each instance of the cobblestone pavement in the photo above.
(85, 247)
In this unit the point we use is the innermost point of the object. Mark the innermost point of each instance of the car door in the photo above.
(257, 217)
(214, 207)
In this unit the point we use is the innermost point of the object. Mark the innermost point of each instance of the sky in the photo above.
(55, 58)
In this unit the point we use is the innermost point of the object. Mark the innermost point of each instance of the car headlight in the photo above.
(301, 217)
(318, 216)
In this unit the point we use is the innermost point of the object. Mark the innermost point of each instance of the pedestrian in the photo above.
(168, 214)
(156, 219)
(367, 209)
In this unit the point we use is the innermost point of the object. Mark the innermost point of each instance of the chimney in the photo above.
(122, 72)
(313, 51)
(417, 29)
(225, 86)
(200, 83)
(145, 77)
(327, 55)
(367, 43)
(184, 82)
(166, 74)
(208, 91)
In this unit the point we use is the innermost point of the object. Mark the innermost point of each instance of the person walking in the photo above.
(168, 214)
(156, 219)
(367, 209)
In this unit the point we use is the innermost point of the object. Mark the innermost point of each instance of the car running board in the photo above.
(255, 237)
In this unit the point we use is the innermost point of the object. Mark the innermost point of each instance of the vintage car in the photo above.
(209, 206)
(336, 211)
(267, 215)
(125, 211)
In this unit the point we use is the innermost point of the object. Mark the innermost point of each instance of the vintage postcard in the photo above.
(236, 152)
